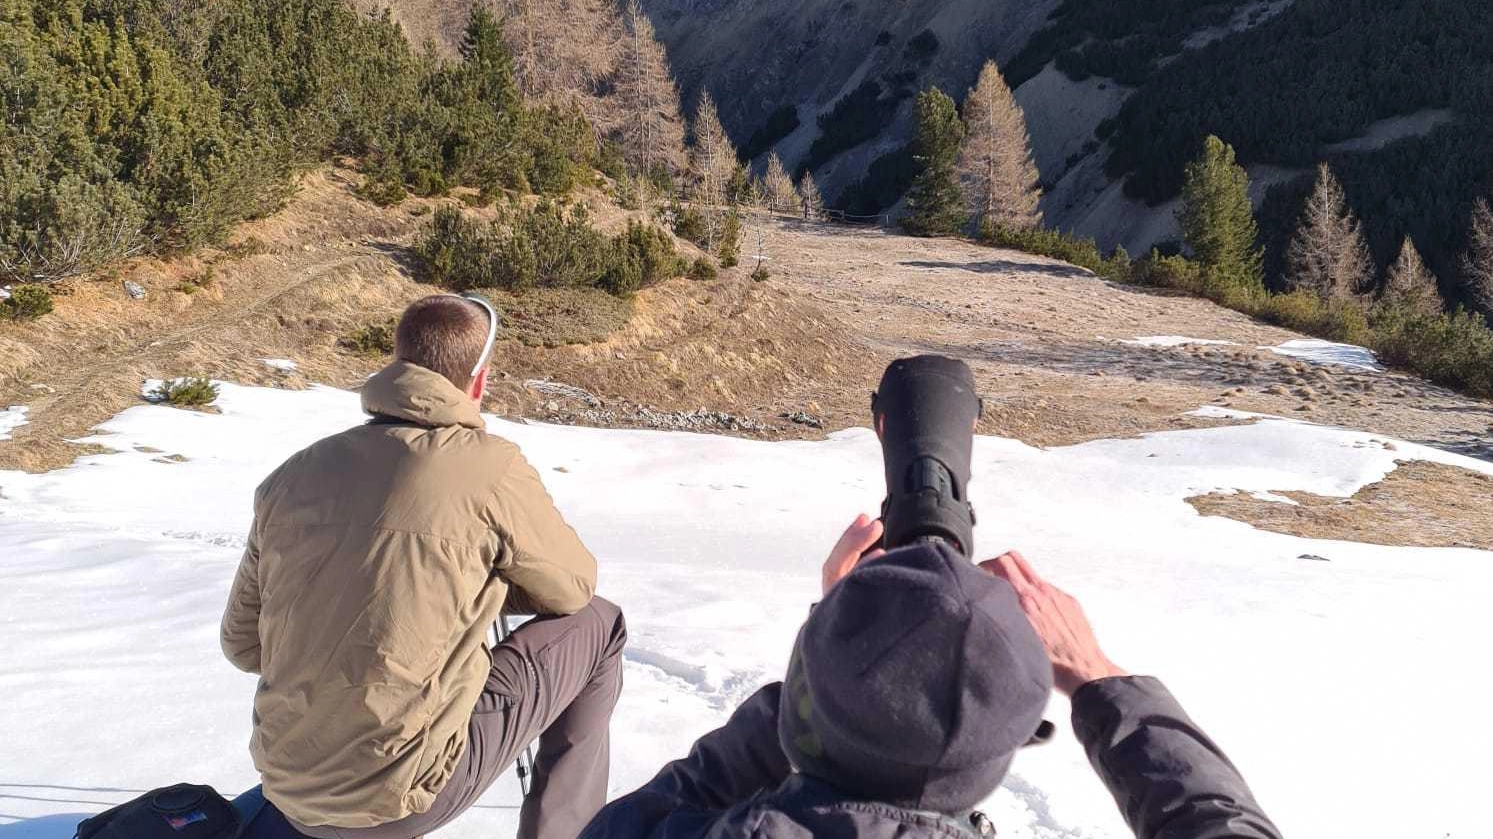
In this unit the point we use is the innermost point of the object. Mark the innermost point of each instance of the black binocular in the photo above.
(925, 411)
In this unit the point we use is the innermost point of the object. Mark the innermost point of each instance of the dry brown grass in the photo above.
(558, 317)
(1419, 504)
(729, 345)
(329, 264)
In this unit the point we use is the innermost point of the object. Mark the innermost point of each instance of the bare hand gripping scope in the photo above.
(925, 412)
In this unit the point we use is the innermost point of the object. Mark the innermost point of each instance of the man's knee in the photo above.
(610, 615)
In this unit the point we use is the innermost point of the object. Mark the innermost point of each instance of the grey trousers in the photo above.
(557, 679)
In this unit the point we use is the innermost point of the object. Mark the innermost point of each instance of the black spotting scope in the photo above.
(925, 412)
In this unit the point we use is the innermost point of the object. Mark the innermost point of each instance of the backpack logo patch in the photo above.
(181, 820)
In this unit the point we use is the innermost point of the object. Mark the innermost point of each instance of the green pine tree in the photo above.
(1217, 219)
(936, 201)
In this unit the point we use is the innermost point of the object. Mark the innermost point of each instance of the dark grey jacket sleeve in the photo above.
(723, 768)
(1170, 780)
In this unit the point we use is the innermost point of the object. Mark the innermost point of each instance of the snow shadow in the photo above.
(87, 801)
(58, 826)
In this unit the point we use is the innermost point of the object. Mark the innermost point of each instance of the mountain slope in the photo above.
(761, 57)
(1120, 93)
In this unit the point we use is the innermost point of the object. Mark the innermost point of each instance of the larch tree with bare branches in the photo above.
(995, 160)
(813, 201)
(782, 195)
(563, 50)
(1410, 284)
(712, 164)
(1328, 255)
(1477, 262)
(652, 130)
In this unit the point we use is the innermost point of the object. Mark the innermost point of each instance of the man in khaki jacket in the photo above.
(377, 560)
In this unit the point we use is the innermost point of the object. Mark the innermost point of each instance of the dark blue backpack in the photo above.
(190, 811)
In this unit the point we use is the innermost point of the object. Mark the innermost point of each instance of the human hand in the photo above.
(861, 535)
(1060, 623)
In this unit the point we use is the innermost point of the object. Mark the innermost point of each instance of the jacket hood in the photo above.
(805, 807)
(414, 394)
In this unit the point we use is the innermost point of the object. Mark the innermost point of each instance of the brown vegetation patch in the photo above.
(556, 317)
(307, 282)
(1419, 504)
(731, 344)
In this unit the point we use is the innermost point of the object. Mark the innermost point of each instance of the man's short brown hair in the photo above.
(443, 333)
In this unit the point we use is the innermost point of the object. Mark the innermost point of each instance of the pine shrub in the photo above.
(638, 258)
(562, 149)
(1052, 243)
(382, 191)
(703, 269)
(186, 392)
(728, 249)
(27, 302)
(1455, 349)
(148, 125)
(455, 251)
(689, 223)
(548, 245)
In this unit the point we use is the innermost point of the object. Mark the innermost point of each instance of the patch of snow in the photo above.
(10, 419)
(1318, 351)
(1172, 341)
(1219, 412)
(1265, 176)
(1061, 115)
(1274, 498)
(1394, 129)
(284, 365)
(115, 570)
(1244, 19)
(1087, 203)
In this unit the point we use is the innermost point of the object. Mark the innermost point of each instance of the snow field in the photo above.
(1331, 684)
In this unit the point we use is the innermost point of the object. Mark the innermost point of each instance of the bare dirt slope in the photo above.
(290, 286)
(1045, 340)
(790, 357)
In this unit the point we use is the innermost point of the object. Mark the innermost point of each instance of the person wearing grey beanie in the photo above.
(911, 688)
